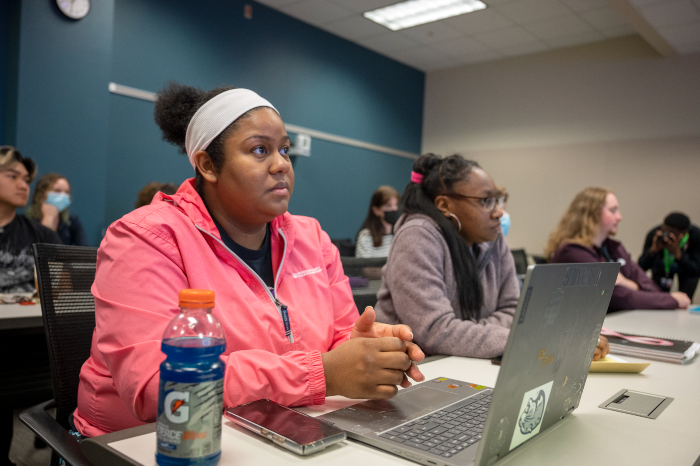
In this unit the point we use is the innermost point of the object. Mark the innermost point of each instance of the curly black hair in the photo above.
(176, 104)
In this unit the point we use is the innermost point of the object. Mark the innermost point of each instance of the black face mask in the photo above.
(392, 216)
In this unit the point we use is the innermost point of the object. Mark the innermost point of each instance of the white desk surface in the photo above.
(16, 316)
(589, 436)
(14, 311)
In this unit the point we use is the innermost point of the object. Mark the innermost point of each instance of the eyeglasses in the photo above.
(487, 203)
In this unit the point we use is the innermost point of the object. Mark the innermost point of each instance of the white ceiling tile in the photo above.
(583, 5)
(424, 58)
(670, 13)
(618, 31)
(688, 33)
(479, 57)
(491, 3)
(524, 11)
(523, 49)
(505, 37)
(422, 53)
(479, 21)
(355, 27)
(601, 18)
(316, 12)
(560, 26)
(687, 49)
(360, 6)
(431, 32)
(640, 3)
(440, 65)
(576, 39)
(388, 42)
(277, 3)
(461, 48)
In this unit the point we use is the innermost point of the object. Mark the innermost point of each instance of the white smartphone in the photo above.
(289, 429)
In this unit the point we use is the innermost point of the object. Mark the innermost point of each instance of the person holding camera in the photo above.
(673, 249)
(584, 235)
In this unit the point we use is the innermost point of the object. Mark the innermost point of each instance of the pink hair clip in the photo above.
(416, 177)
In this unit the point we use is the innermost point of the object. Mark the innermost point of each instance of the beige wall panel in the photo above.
(649, 177)
(612, 114)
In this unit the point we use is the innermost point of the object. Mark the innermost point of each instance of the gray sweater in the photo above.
(418, 289)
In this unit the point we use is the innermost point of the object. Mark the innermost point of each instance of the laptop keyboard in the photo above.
(448, 431)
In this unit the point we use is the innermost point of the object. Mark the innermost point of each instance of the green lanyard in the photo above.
(670, 259)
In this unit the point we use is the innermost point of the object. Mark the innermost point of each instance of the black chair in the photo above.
(370, 268)
(65, 274)
(520, 258)
(539, 259)
(345, 246)
(362, 267)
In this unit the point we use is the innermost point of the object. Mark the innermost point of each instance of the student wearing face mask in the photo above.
(50, 207)
(583, 235)
(376, 233)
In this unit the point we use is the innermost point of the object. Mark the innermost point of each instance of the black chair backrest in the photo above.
(520, 257)
(66, 274)
(345, 246)
(356, 266)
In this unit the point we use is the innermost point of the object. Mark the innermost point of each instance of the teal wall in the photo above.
(109, 147)
(9, 57)
(62, 100)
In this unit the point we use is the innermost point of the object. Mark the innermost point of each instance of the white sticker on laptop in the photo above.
(531, 413)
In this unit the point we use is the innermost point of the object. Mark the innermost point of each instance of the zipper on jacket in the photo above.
(281, 308)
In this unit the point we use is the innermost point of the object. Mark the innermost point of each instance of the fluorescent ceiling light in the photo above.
(414, 12)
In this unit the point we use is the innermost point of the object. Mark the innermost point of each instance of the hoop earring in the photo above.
(458, 222)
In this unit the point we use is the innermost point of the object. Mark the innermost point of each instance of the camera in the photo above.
(665, 234)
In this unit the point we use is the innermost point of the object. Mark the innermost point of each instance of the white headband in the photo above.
(216, 115)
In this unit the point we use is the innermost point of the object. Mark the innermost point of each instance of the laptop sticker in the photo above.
(531, 413)
(554, 306)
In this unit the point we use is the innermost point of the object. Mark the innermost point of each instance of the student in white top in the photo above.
(376, 233)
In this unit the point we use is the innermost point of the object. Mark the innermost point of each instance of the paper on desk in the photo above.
(612, 363)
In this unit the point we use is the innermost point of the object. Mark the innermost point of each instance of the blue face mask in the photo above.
(505, 223)
(60, 200)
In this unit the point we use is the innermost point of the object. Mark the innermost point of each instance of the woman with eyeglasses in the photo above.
(450, 275)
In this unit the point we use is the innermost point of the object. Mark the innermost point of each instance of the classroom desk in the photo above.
(25, 373)
(589, 436)
(16, 316)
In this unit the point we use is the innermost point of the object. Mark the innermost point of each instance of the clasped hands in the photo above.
(374, 361)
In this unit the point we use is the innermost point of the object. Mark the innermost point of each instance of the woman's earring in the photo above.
(458, 222)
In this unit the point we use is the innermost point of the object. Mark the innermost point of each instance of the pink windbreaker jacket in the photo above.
(149, 255)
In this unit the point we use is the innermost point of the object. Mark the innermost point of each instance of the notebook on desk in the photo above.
(449, 422)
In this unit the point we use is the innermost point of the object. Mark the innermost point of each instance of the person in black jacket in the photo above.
(17, 232)
(673, 248)
(17, 235)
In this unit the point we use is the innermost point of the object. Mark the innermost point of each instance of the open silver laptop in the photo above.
(449, 422)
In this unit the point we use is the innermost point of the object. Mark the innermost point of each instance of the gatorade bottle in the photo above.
(191, 394)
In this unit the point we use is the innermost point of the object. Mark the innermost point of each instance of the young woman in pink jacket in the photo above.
(228, 230)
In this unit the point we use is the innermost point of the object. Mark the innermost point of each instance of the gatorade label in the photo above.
(189, 418)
